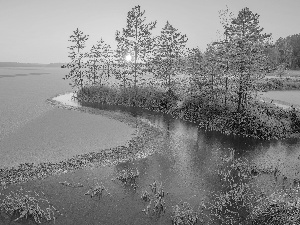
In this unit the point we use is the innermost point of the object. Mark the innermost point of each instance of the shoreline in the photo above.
(279, 103)
(221, 119)
(143, 134)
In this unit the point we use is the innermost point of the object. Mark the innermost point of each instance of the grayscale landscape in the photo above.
(158, 112)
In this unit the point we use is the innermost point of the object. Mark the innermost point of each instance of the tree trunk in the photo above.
(226, 89)
(107, 70)
(94, 72)
(135, 66)
(135, 56)
(212, 86)
(169, 82)
(240, 93)
(80, 74)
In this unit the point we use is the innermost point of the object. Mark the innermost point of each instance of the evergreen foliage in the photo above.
(76, 55)
(99, 63)
(245, 44)
(135, 40)
(168, 58)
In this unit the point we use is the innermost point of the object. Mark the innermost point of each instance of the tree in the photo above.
(285, 52)
(135, 40)
(246, 45)
(193, 68)
(122, 69)
(223, 51)
(273, 57)
(168, 58)
(214, 70)
(294, 41)
(99, 62)
(76, 55)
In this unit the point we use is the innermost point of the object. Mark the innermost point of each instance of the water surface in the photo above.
(185, 161)
(31, 130)
(284, 98)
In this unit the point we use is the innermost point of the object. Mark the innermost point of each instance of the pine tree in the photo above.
(135, 40)
(100, 59)
(193, 68)
(246, 45)
(168, 59)
(285, 53)
(76, 55)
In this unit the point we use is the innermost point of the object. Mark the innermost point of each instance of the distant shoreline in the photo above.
(17, 64)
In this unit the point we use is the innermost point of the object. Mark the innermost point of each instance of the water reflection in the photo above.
(187, 158)
(67, 99)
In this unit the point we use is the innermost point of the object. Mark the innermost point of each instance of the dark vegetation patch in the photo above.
(272, 84)
(20, 205)
(257, 120)
(242, 201)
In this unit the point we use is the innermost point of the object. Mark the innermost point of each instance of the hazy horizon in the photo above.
(36, 31)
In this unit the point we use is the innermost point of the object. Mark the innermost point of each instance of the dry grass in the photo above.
(28, 205)
(128, 177)
(97, 190)
(242, 200)
(184, 215)
(287, 73)
(155, 199)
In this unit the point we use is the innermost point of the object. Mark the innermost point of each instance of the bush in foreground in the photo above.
(26, 205)
(147, 97)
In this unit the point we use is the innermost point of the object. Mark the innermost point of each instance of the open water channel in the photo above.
(185, 161)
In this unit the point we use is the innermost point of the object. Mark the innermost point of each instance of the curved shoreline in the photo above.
(144, 133)
(279, 103)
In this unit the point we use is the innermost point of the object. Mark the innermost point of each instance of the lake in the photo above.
(283, 98)
(31, 130)
(185, 161)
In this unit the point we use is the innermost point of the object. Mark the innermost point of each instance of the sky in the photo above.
(37, 31)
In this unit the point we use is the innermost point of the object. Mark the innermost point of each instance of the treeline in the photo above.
(285, 53)
(227, 69)
(215, 88)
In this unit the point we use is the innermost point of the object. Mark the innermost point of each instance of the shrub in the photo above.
(240, 201)
(295, 120)
(128, 177)
(257, 120)
(29, 206)
(184, 215)
(278, 84)
(97, 190)
(155, 199)
(147, 97)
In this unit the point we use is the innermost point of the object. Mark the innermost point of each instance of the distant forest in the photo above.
(16, 64)
(286, 52)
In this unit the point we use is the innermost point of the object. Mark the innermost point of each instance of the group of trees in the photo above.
(157, 55)
(229, 67)
(87, 67)
(285, 53)
(227, 70)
